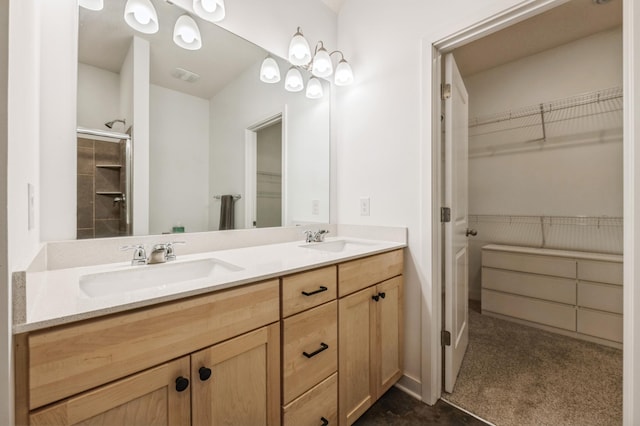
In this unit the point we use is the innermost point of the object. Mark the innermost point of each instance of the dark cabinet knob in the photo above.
(205, 373)
(182, 383)
(382, 295)
(324, 421)
(376, 297)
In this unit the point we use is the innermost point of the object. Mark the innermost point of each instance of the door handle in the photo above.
(471, 232)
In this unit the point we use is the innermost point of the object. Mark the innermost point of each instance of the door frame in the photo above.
(432, 51)
(250, 166)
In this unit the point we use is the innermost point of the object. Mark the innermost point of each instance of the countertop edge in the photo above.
(26, 327)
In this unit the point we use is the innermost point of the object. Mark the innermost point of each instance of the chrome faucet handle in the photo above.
(320, 235)
(139, 254)
(309, 236)
(171, 251)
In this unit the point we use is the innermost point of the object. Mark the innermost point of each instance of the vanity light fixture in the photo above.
(293, 82)
(344, 74)
(314, 88)
(141, 16)
(299, 52)
(186, 33)
(321, 65)
(211, 10)
(269, 71)
(91, 4)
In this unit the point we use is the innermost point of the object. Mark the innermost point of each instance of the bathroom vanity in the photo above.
(256, 348)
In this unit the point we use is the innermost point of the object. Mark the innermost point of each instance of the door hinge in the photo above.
(445, 214)
(445, 91)
(445, 338)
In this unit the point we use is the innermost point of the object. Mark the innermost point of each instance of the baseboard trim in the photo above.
(410, 386)
(468, 412)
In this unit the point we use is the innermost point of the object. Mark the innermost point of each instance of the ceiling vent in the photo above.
(185, 75)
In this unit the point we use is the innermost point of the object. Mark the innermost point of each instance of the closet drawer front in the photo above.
(539, 311)
(362, 273)
(600, 324)
(561, 290)
(601, 272)
(309, 332)
(310, 408)
(70, 359)
(600, 296)
(308, 289)
(544, 265)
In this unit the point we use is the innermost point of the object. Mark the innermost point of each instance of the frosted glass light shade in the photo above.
(211, 10)
(314, 88)
(322, 66)
(141, 16)
(293, 82)
(186, 33)
(299, 52)
(269, 71)
(344, 74)
(91, 4)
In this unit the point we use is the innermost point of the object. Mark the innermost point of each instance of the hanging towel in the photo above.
(226, 212)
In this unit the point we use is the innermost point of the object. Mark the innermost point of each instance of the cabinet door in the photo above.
(148, 398)
(389, 335)
(355, 345)
(238, 382)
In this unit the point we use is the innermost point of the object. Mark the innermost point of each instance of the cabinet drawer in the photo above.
(536, 264)
(600, 296)
(314, 333)
(602, 272)
(70, 359)
(561, 290)
(319, 403)
(600, 324)
(539, 311)
(308, 289)
(362, 273)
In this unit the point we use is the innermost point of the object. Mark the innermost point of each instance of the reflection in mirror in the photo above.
(202, 126)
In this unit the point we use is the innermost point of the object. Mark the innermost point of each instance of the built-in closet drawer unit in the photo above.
(600, 299)
(532, 263)
(545, 287)
(574, 293)
(539, 311)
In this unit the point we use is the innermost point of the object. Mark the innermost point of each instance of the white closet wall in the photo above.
(584, 179)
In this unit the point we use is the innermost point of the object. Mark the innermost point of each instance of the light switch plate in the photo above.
(315, 207)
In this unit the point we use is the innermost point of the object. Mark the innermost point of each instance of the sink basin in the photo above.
(337, 246)
(152, 276)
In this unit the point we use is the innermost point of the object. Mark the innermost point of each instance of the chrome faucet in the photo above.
(163, 252)
(315, 236)
(139, 254)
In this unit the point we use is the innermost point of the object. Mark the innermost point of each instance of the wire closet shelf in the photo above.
(602, 234)
(592, 117)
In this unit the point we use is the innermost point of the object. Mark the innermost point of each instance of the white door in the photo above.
(456, 253)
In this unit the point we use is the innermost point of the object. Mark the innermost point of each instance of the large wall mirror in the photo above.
(203, 126)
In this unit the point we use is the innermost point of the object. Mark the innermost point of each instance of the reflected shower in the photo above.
(110, 124)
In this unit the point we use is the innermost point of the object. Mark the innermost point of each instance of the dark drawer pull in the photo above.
(323, 346)
(320, 290)
(325, 422)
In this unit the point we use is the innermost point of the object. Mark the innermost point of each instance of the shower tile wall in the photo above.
(99, 171)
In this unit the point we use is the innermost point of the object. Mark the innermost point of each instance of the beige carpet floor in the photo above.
(514, 375)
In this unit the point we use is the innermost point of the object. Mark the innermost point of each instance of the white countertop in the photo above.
(55, 297)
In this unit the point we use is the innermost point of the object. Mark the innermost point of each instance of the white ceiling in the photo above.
(334, 5)
(105, 39)
(571, 21)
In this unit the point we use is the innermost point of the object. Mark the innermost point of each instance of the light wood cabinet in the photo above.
(147, 398)
(370, 345)
(237, 382)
